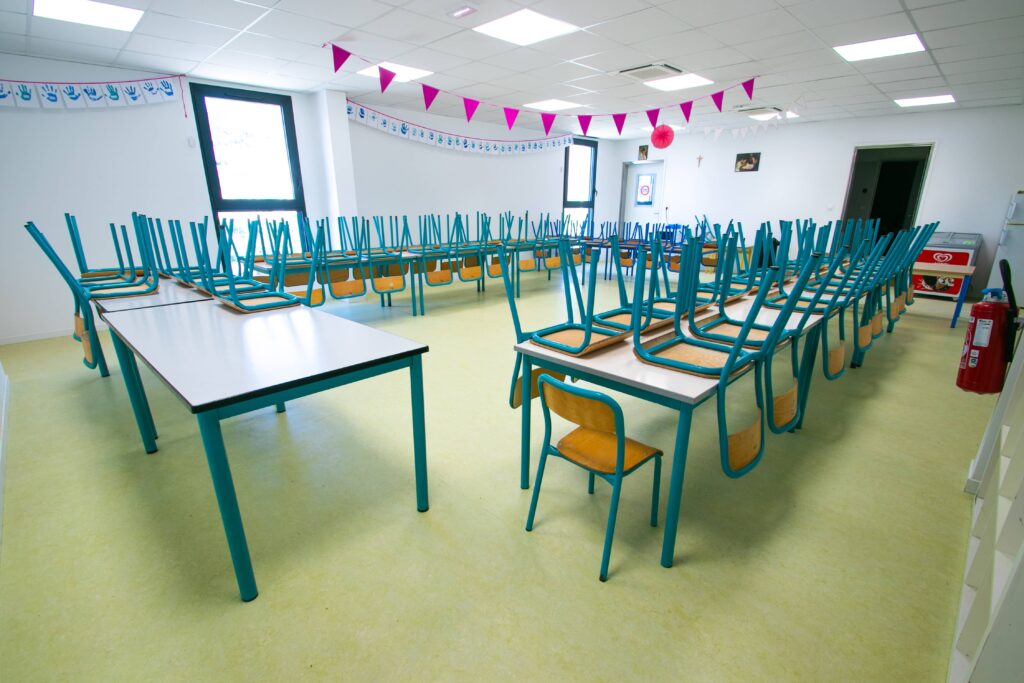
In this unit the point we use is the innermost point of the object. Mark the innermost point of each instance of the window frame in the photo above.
(200, 91)
(566, 204)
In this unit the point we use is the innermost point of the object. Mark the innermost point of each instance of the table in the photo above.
(168, 294)
(618, 369)
(956, 271)
(276, 356)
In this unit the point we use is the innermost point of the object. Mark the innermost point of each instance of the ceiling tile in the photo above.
(566, 71)
(601, 81)
(575, 45)
(410, 28)
(785, 44)
(975, 33)
(640, 26)
(281, 49)
(973, 76)
(702, 61)
(155, 63)
(753, 27)
(162, 47)
(896, 62)
(20, 6)
(298, 28)
(176, 28)
(521, 81)
(78, 52)
(875, 28)
(371, 47)
(990, 48)
(828, 12)
(245, 60)
(479, 72)
(615, 60)
(893, 75)
(486, 10)
(306, 71)
(588, 13)
(219, 12)
(972, 65)
(966, 12)
(938, 83)
(10, 42)
(431, 60)
(353, 13)
(703, 13)
(681, 44)
(523, 59)
(67, 32)
(12, 22)
(472, 45)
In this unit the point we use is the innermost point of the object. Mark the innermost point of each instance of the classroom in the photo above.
(335, 330)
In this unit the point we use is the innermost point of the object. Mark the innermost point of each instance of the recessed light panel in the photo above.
(925, 101)
(765, 117)
(887, 47)
(525, 27)
(680, 82)
(89, 13)
(463, 11)
(403, 74)
(551, 105)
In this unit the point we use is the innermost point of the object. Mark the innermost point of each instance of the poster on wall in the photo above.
(748, 162)
(644, 190)
(641, 154)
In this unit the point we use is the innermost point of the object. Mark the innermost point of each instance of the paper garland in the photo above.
(67, 95)
(436, 138)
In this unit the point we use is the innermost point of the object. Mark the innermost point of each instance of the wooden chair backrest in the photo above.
(580, 410)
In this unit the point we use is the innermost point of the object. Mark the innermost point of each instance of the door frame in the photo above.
(624, 191)
(892, 145)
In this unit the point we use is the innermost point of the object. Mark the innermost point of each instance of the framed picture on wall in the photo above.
(641, 154)
(748, 162)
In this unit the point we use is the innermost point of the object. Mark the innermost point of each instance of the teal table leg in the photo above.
(524, 456)
(675, 489)
(960, 300)
(130, 357)
(125, 358)
(412, 284)
(280, 407)
(224, 488)
(811, 342)
(419, 435)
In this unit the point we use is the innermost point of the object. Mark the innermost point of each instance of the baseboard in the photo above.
(5, 391)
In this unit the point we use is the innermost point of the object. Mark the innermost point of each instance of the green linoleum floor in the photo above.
(838, 559)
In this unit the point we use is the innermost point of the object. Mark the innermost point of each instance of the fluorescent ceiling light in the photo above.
(525, 27)
(552, 105)
(765, 117)
(403, 74)
(680, 82)
(463, 11)
(887, 47)
(792, 115)
(88, 13)
(925, 101)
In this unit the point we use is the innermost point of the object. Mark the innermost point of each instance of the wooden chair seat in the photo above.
(599, 339)
(837, 358)
(389, 283)
(729, 329)
(552, 262)
(595, 450)
(517, 392)
(745, 444)
(683, 352)
(470, 272)
(439, 277)
(122, 292)
(279, 300)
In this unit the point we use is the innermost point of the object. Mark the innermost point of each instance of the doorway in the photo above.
(886, 184)
(579, 183)
(642, 192)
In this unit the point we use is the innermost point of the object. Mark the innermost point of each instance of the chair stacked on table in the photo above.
(792, 285)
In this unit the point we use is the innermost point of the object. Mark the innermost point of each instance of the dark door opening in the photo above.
(886, 184)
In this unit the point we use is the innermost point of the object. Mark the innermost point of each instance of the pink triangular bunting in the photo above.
(340, 56)
(748, 87)
(652, 116)
(548, 120)
(687, 107)
(470, 106)
(717, 97)
(510, 116)
(620, 120)
(584, 120)
(429, 93)
(385, 78)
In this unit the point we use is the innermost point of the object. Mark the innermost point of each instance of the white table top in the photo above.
(211, 356)
(169, 293)
(619, 364)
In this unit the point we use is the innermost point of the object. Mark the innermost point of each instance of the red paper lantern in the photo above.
(662, 136)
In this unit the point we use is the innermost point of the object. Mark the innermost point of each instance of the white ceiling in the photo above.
(975, 51)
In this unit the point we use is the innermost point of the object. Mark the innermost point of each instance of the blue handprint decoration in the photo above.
(24, 93)
(6, 95)
(93, 97)
(167, 89)
(71, 94)
(132, 94)
(48, 93)
(113, 94)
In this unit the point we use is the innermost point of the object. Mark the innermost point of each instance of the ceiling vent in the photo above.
(754, 111)
(650, 72)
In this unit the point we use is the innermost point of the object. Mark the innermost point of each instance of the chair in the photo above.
(598, 445)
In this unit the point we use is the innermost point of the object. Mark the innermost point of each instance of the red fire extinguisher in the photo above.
(991, 334)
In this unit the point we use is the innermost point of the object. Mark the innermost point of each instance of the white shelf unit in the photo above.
(1011, 239)
(988, 633)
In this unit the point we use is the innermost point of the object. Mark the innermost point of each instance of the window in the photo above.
(578, 189)
(250, 157)
(644, 189)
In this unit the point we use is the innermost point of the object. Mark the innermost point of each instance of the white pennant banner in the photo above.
(436, 138)
(55, 95)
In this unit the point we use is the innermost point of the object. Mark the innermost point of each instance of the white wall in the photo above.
(100, 165)
(805, 169)
(396, 176)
